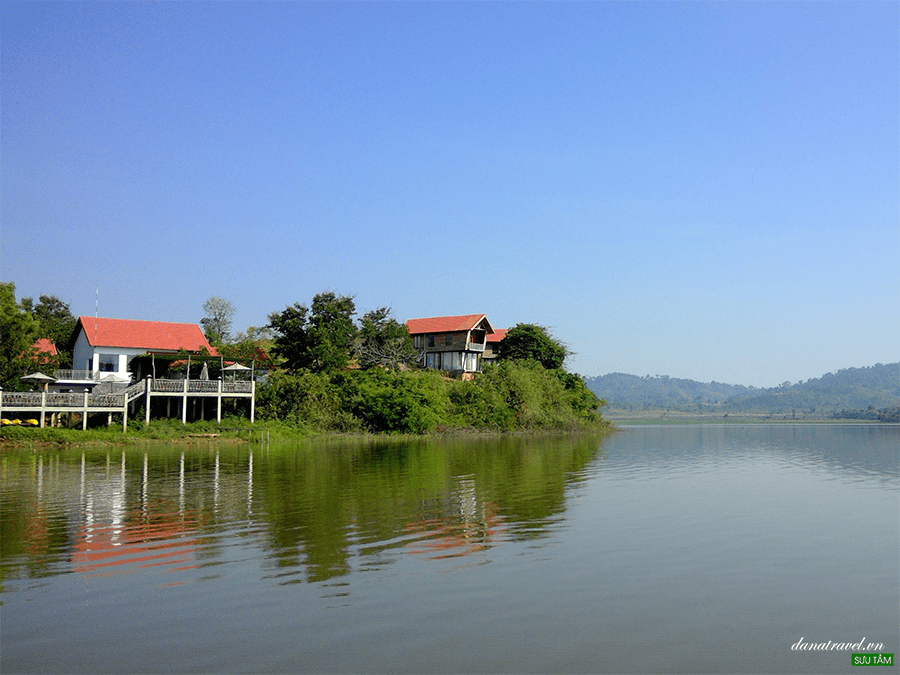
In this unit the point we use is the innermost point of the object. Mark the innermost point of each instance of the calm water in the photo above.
(659, 549)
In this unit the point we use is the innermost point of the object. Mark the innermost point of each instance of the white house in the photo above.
(104, 347)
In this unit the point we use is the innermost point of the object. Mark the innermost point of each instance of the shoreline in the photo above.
(248, 435)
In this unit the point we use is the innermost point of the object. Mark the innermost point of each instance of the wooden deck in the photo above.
(43, 403)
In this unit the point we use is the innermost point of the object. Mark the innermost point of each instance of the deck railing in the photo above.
(35, 400)
(88, 375)
(242, 387)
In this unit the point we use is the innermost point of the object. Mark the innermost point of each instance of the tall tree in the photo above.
(383, 341)
(18, 332)
(530, 341)
(55, 322)
(318, 338)
(217, 322)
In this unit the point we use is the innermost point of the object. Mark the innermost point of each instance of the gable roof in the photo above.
(448, 324)
(149, 335)
(45, 346)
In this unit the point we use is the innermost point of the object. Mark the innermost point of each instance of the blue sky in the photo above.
(702, 190)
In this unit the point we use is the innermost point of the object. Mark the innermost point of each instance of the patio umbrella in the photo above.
(38, 378)
(235, 368)
(204, 372)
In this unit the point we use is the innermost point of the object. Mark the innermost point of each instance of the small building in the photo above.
(492, 345)
(105, 347)
(452, 343)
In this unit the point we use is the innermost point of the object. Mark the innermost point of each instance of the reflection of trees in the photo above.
(319, 508)
(442, 498)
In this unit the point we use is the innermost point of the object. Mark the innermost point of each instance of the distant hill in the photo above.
(850, 389)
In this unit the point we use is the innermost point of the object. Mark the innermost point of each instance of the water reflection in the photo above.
(316, 510)
(844, 451)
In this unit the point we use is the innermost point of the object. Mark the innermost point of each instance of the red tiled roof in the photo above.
(148, 335)
(447, 324)
(45, 346)
(497, 335)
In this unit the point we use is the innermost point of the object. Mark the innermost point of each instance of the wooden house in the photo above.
(452, 343)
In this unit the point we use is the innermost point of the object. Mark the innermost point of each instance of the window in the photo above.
(448, 339)
(452, 361)
(431, 340)
(109, 363)
(417, 341)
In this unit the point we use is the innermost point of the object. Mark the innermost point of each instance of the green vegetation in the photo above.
(318, 338)
(338, 377)
(21, 325)
(528, 341)
(851, 393)
(513, 396)
(138, 432)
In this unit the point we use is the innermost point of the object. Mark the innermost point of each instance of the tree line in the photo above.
(330, 372)
(337, 374)
(849, 390)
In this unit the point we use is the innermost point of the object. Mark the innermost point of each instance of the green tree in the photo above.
(529, 341)
(383, 341)
(217, 322)
(18, 332)
(55, 322)
(319, 338)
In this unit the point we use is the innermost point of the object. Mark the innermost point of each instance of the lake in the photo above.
(676, 549)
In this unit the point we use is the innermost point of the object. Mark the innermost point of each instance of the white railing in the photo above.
(61, 400)
(77, 375)
(43, 400)
(65, 400)
(167, 385)
(237, 387)
(475, 346)
(16, 399)
(210, 386)
(134, 391)
(106, 400)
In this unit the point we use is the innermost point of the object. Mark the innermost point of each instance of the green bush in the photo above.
(513, 395)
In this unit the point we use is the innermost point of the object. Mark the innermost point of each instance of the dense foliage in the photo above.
(18, 332)
(21, 325)
(318, 338)
(529, 341)
(511, 396)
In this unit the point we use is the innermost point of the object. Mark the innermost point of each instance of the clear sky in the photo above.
(701, 190)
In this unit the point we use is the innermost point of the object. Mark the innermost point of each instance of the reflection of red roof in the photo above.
(447, 324)
(150, 335)
(497, 335)
(108, 548)
(44, 346)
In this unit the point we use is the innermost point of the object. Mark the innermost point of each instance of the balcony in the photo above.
(78, 375)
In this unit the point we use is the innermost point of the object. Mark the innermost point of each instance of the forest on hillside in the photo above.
(851, 392)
